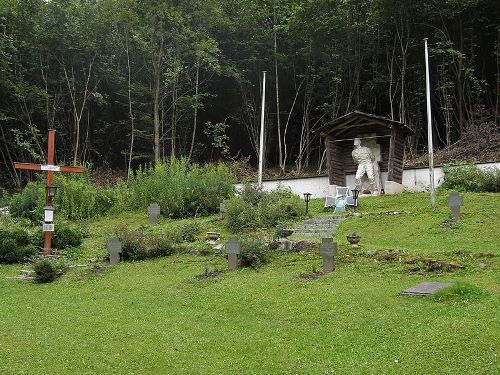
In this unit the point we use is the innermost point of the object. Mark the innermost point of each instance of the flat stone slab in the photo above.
(425, 289)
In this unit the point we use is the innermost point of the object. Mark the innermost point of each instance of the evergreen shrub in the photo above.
(182, 189)
(45, 271)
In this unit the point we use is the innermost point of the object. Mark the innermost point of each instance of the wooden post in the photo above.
(50, 168)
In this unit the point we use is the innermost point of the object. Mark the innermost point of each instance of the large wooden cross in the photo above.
(50, 168)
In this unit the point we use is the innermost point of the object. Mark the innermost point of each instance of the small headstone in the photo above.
(328, 250)
(218, 248)
(114, 249)
(425, 289)
(455, 200)
(233, 248)
(153, 213)
(222, 209)
(285, 244)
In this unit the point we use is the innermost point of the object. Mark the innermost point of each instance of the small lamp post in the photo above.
(51, 190)
(355, 195)
(307, 199)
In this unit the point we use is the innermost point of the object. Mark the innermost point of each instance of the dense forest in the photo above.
(129, 82)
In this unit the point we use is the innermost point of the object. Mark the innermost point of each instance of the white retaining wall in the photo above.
(415, 180)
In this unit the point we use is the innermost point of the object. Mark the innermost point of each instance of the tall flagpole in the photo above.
(429, 128)
(261, 143)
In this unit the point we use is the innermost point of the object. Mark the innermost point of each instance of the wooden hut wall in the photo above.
(340, 163)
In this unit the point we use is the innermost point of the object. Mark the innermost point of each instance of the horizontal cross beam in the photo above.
(48, 167)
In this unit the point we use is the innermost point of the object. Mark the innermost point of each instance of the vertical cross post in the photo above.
(50, 168)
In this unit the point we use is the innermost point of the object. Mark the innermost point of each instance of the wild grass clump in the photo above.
(468, 177)
(15, 244)
(77, 198)
(459, 292)
(182, 189)
(256, 208)
(138, 244)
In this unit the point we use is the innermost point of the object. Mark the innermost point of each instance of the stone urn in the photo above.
(213, 236)
(354, 239)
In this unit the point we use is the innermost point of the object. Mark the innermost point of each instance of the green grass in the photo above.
(156, 317)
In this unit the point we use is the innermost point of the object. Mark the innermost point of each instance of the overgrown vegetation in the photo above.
(139, 244)
(15, 243)
(254, 253)
(468, 177)
(182, 189)
(46, 271)
(256, 208)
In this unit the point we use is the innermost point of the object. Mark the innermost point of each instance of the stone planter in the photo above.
(214, 236)
(354, 240)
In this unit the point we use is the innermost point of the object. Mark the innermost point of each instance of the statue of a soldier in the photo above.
(367, 164)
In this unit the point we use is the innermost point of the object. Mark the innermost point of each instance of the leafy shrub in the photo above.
(4, 197)
(45, 271)
(29, 202)
(468, 177)
(182, 189)
(137, 245)
(253, 253)
(65, 236)
(188, 232)
(280, 205)
(15, 244)
(78, 199)
(241, 214)
(254, 208)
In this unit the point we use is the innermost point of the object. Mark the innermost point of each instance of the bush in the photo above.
(136, 245)
(45, 271)
(253, 253)
(188, 232)
(29, 202)
(182, 189)
(240, 215)
(254, 208)
(65, 236)
(468, 177)
(4, 197)
(15, 246)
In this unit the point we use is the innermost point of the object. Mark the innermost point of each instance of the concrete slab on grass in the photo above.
(425, 289)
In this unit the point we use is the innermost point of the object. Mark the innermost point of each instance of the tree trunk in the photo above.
(131, 114)
(193, 136)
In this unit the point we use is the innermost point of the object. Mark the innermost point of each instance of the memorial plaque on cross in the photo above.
(114, 249)
(328, 250)
(233, 248)
(455, 200)
(50, 168)
(153, 213)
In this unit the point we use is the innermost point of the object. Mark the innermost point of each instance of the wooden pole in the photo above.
(47, 242)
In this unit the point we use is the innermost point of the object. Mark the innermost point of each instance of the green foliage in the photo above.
(78, 199)
(189, 231)
(254, 208)
(182, 189)
(468, 177)
(4, 197)
(45, 271)
(29, 202)
(66, 235)
(253, 253)
(140, 245)
(15, 244)
(219, 139)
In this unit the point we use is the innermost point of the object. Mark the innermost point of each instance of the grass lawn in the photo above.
(156, 317)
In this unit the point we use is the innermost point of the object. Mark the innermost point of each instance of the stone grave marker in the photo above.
(425, 289)
(153, 213)
(222, 209)
(114, 249)
(328, 250)
(455, 200)
(233, 248)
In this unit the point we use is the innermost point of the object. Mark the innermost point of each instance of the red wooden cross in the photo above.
(50, 168)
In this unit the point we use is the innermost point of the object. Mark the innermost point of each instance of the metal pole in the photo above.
(429, 128)
(261, 144)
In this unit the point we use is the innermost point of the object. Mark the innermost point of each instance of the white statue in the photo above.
(364, 158)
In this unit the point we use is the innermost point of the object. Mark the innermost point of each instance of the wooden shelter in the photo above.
(339, 136)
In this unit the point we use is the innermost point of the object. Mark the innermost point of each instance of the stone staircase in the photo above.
(320, 226)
